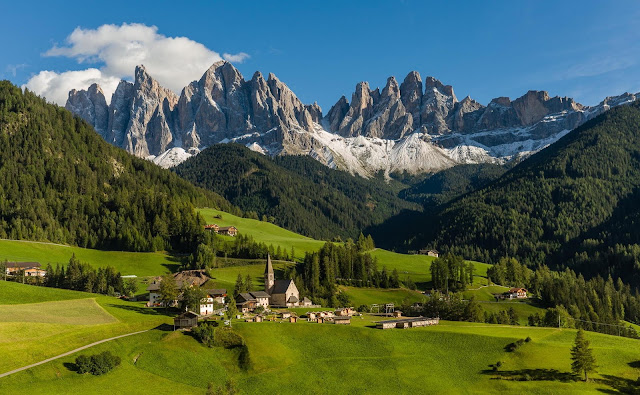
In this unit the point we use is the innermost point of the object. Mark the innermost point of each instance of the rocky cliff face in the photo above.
(412, 126)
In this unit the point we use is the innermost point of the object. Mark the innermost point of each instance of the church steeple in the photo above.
(269, 278)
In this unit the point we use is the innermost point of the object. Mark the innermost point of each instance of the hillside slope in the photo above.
(61, 182)
(564, 205)
(300, 193)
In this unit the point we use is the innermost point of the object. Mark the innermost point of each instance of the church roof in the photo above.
(269, 268)
(281, 286)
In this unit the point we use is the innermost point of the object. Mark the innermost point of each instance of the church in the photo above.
(284, 293)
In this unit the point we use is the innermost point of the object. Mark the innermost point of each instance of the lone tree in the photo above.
(582, 356)
(168, 290)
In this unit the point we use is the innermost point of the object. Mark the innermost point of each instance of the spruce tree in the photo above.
(582, 356)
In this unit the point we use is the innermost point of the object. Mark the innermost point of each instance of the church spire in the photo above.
(269, 278)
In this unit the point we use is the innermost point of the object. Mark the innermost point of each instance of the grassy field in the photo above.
(369, 296)
(62, 320)
(136, 263)
(320, 358)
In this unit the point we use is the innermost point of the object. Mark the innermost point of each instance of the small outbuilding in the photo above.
(293, 319)
(342, 320)
(186, 320)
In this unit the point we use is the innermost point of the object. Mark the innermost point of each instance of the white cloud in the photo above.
(56, 86)
(235, 58)
(173, 61)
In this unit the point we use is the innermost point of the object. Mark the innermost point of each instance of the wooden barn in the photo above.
(186, 320)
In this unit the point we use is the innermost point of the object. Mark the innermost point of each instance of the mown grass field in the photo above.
(62, 320)
(450, 358)
(136, 263)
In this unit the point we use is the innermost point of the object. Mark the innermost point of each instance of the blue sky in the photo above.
(586, 50)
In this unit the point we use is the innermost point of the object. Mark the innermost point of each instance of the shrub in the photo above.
(97, 364)
(362, 308)
(528, 339)
(227, 338)
(205, 333)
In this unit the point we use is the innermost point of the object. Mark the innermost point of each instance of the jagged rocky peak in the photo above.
(411, 94)
(91, 106)
(336, 114)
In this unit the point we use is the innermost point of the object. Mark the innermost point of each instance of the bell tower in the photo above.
(269, 279)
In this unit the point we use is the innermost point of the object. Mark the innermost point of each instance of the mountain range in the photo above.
(412, 127)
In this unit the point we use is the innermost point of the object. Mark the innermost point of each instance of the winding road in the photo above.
(70, 352)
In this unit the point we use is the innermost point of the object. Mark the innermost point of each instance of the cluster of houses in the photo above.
(28, 269)
(513, 293)
(222, 230)
(277, 293)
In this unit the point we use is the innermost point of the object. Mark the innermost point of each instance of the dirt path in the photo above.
(69, 353)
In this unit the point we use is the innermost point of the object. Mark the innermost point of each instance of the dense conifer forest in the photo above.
(297, 192)
(574, 204)
(61, 182)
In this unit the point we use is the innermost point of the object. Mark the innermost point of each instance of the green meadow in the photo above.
(449, 358)
(135, 263)
(37, 322)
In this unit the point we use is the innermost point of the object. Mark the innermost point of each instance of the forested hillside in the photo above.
(573, 204)
(61, 182)
(447, 184)
(300, 193)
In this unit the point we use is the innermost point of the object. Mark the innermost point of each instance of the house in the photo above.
(212, 228)
(517, 293)
(284, 293)
(186, 278)
(403, 323)
(18, 267)
(343, 320)
(245, 302)
(344, 312)
(185, 320)
(228, 230)
(262, 298)
(217, 294)
(306, 302)
(35, 272)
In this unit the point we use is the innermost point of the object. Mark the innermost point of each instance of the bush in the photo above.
(205, 333)
(97, 364)
(362, 308)
(227, 338)
(528, 339)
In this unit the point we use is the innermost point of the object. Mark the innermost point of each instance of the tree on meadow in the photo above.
(582, 356)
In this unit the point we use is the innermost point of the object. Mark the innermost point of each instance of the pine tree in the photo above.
(582, 356)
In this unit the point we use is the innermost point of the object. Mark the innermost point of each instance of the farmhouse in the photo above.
(217, 295)
(212, 228)
(344, 312)
(35, 272)
(17, 267)
(284, 293)
(185, 320)
(403, 323)
(189, 278)
(228, 230)
(245, 302)
(517, 293)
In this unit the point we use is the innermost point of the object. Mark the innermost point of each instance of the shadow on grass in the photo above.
(635, 364)
(619, 385)
(164, 327)
(170, 312)
(70, 366)
(531, 375)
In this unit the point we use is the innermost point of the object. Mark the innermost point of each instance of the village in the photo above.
(279, 301)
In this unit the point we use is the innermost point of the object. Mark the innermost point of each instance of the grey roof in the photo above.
(305, 299)
(269, 268)
(413, 319)
(245, 297)
(22, 265)
(188, 314)
(293, 299)
(217, 291)
(281, 286)
(338, 318)
(260, 294)
(154, 286)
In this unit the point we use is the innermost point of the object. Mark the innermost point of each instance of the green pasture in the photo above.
(449, 358)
